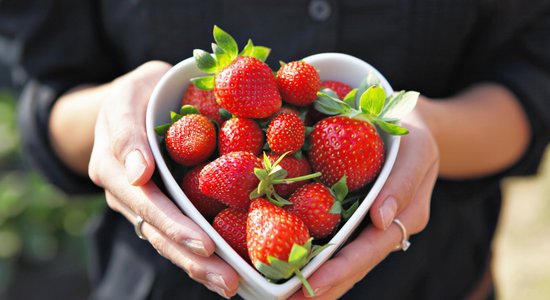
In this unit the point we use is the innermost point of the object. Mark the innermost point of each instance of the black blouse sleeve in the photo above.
(524, 67)
(54, 45)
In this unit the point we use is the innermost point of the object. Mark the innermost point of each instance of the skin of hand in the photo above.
(441, 134)
(121, 162)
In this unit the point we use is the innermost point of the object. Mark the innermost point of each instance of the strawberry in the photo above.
(278, 242)
(191, 139)
(318, 206)
(247, 88)
(347, 144)
(341, 146)
(341, 89)
(207, 206)
(230, 223)
(240, 134)
(230, 178)
(204, 101)
(286, 133)
(295, 167)
(243, 83)
(298, 83)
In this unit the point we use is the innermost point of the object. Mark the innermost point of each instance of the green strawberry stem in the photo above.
(304, 282)
(273, 174)
(296, 179)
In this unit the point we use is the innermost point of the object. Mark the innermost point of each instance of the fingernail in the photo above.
(196, 246)
(387, 211)
(216, 283)
(134, 166)
(318, 291)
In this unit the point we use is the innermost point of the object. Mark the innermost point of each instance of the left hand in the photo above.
(406, 196)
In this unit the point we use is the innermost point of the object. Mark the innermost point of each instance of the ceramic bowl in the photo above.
(167, 97)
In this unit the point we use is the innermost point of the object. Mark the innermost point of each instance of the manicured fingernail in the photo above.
(387, 211)
(217, 284)
(134, 165)
(196, 246)
(318, 291)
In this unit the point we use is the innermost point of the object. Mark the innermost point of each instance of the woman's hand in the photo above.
(122, 163)
(405, 196)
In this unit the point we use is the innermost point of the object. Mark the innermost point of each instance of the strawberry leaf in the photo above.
(261, 53)
(372, 100)
(346, 214)
(336, 208)
(298, 256)
(350, 98)
(226, 42)
(329, 104)
(390, 128)
(340, 189)
(204, 82)
(205, 61)
(400, 104)
(248, 49)
(174, 117)
(284, 268)
(221, 56)
(267, 270)
(162, 129)
(188, 110)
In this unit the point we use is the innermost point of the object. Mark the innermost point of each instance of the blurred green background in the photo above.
(42, 247)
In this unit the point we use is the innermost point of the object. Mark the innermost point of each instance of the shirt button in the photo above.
(319, 10)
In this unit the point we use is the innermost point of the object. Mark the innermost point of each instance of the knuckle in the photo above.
(194, 271)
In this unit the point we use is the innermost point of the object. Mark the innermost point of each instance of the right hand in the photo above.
(122, 163)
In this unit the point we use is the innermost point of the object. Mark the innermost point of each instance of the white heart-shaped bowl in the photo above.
(167, 97)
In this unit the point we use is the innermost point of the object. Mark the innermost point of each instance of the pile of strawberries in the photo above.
(270, 157)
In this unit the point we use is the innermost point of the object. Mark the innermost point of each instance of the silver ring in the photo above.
(138, 226)
(405, 244)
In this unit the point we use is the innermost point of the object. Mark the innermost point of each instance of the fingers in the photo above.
(351, 264)
(417, 156)
(124, 118)
(157, 210)
(210, 271)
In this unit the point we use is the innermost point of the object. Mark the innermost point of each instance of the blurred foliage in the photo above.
(37, 222)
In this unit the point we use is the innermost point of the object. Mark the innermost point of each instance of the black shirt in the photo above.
(437, 47)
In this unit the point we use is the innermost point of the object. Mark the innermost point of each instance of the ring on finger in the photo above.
(138, 226)
(405, 244)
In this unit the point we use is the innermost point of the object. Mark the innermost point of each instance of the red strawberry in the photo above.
(295, 167)
(243, 83)
(191, 139)
(247, 88)
(207, 206)
(230, 178)
(341, 89)
(231, 225)
(204, 101)
(313, 203)
(271, 231)
(298, 83)
(278, 242)
(240, 134)
(286, 133)
(341, 146)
